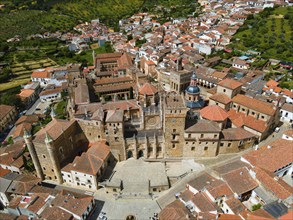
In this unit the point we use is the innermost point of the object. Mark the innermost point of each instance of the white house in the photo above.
(51, 94)
(240, 64)
(287, 113)
(43, 76)
(87, 169)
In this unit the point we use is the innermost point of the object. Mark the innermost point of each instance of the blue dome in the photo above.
(192, 90)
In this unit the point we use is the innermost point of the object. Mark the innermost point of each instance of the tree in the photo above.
(256, 207)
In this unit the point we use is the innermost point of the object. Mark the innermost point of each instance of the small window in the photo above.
(222, 144)
(174, 130)
(192, 148)
(44, 156)
(229, 145)
(116, 139)
(215, 136)
(202, 135)
(173, 146)
(44, 168)
(189, 135)
(52, 170)
(224, 90)
(206, 148)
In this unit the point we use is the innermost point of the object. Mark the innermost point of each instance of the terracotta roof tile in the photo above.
(254, 104)
(203, 203)
(204, 126)
(175, 210)
(230, 83)
(229, 217)
(25, 93)
(221, 98)
(5, 109)
(148, 89)
(240, 181)
(277, 186)
(259, 214)
(239, 119)
(272, 83)
(72, 202)
(235, 205)
(214, 113)
(41, 74)
(236, 134)
(105, 81)
(273, 158)
(51, 91)
(55, 128)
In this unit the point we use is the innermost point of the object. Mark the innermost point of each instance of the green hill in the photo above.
(25, 17)
(270, 31)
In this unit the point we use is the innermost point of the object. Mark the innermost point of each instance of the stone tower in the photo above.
(31, 148)
(174, 125)
(54, 157)
(115, 133)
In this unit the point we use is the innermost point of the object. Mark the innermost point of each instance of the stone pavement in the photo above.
(121, 208)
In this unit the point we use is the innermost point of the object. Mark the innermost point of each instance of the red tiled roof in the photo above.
(259, 214)
(55, 128)
(230, 83)
(104, 81)
(240, 181)
(272, 83)
(277, 186)
(221, 98)
(239, 119)
(41, 74)
(254, 104)
(175, 210)
(148, 89)
(25, 93)
(288, 216)
(150, 62)
(236, 134)
(214, 113)
(235, 205)
(5, 109)
(50, 91)
(273, 158)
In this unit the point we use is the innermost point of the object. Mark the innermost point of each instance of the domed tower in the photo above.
(192, 94)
